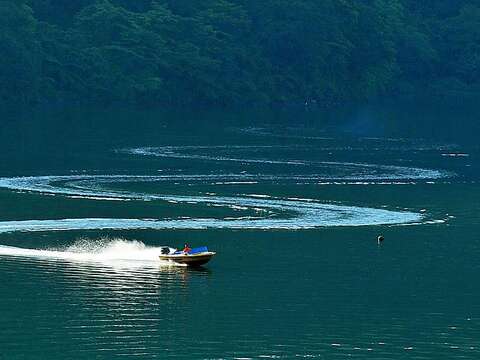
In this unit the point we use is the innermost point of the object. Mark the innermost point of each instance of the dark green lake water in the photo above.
(87, 198)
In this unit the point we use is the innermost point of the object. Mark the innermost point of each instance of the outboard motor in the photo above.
(165, 250)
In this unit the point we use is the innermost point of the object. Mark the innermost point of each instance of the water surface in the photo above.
(293, 212)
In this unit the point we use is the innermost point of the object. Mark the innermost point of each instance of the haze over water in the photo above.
(293, 212)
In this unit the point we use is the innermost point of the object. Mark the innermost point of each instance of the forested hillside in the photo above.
(234, 52)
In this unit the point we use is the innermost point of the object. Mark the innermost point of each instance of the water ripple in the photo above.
(291, 214)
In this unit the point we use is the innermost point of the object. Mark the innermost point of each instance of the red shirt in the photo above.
(187, 249)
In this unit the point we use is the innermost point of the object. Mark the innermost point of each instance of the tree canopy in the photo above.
(235, 52)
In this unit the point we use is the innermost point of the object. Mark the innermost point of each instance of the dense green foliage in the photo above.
(230, 52)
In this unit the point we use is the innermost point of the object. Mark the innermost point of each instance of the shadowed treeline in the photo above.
(233, 52)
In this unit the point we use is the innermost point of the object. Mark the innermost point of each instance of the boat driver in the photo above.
(186, 248)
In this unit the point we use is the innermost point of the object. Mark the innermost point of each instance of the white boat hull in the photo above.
(187, 259)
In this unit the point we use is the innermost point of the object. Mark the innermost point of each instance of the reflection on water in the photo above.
(111, 264)
(80, 308)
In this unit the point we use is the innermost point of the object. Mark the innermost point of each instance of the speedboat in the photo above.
(195, 257)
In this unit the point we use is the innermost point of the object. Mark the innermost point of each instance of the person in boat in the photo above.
(186, 248)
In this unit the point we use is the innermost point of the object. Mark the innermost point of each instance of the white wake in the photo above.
(86, 250)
